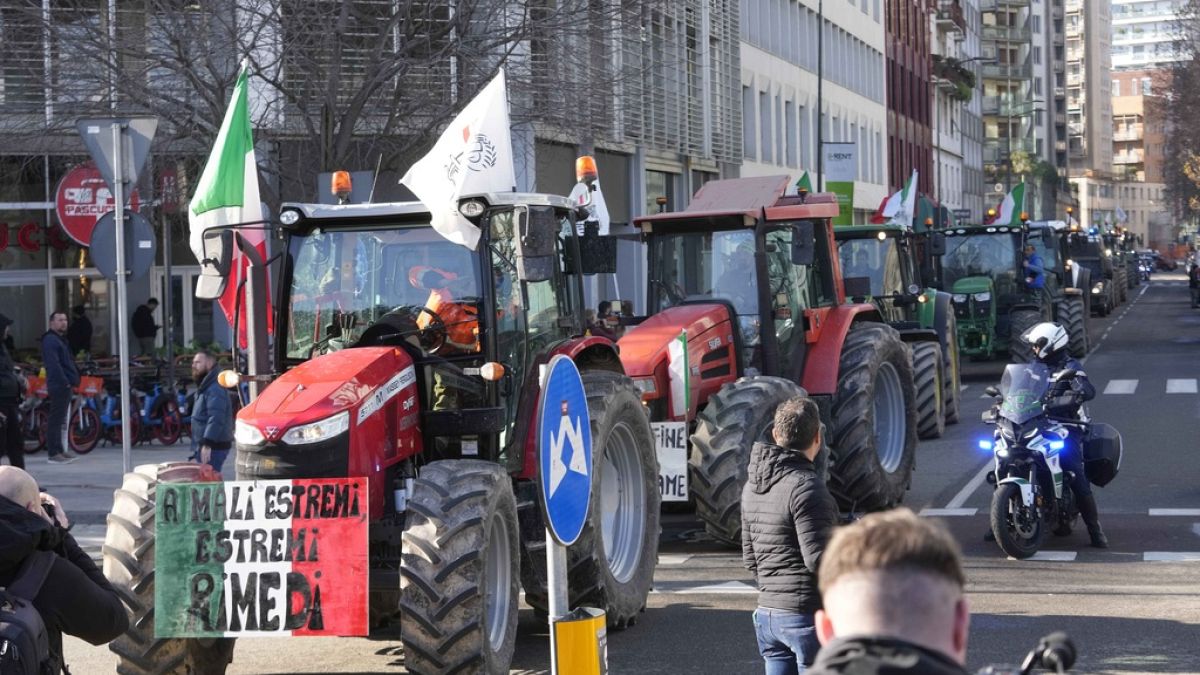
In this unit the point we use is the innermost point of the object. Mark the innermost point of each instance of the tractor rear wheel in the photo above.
(1072, 314)
(611, 565)
(929, 381)
(874, 439)
(1021, 321)
(459, 570)
(739, 415)
(129, 548)
(953, 376)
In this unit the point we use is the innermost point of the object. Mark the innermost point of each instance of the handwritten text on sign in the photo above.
(261, 558)
(671, 444)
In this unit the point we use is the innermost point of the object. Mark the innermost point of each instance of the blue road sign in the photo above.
(564, 450)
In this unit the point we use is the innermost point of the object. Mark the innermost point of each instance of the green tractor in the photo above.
(982, 268)
(895, 266)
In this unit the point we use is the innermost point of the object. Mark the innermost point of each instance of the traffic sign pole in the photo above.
(556, 584)
(122, 294)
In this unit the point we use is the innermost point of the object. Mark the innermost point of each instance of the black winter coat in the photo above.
(787, 518)
(61, 372)
(881, 656)
(76, 598)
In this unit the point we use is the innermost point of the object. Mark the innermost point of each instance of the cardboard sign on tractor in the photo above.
(82, 198)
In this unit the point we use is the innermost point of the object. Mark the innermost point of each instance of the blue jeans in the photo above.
(787, 640)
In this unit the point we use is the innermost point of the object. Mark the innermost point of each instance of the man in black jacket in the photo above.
(79, 333)
(787, 517)
(11, 390)
(61, 377)
(75, 599)
(144, 328)
(892, 587)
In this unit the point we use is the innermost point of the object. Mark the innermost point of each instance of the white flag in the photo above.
(900, 207)
(473, 155)
(1122, 217)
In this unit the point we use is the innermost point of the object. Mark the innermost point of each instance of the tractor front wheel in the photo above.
(928, 369)
(953, 379)
(874, 442)
(1019, 350)
(459, 570)
(129, 548)
(1072, 314)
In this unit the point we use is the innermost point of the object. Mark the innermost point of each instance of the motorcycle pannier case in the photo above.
(1102, 454)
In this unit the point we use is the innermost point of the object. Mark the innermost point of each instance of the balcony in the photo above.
(1060, 117)
(1060, 146)
(1074, 55)
(998, 150)
(1134, 134)
(1060, 92)
(1129, 157)
(954, 78)
(993, 5)
(950, 16)
(993, 105)
(1007, 33)
(999, 71)
(1075, 128)
(1075, 79)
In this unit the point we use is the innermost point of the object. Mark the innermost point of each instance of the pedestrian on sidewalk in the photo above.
(61, 378)
(212, 414)
(144, 328)
(12, 444)
(787, 517)
(75, 597)
(892, 588)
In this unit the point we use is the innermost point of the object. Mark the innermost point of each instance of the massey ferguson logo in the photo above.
(272, 432)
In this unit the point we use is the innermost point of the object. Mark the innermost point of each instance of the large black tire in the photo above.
(739, 415)
(129, 566)
(611, 565)
(1022, 320)
(1072, 315)
(929, 378)
(1014, 543)
(874, 442)
(1122, 284)
(459, 570)
(953, 374)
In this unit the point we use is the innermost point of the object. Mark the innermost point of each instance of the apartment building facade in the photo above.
(957, 121)
(908, 59)
(1089, 108)
(1008, 105)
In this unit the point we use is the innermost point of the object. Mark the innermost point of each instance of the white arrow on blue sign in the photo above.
(564, 450)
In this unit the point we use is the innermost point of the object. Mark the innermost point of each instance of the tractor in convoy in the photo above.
(434, 404)
(900, 265)
(747, 309)
(982, 269)
(1089, 252)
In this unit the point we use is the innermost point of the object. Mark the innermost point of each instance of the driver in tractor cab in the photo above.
(1035, 271)
(461, 319)
(737, 282)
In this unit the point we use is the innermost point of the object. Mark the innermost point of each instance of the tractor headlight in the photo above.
(1098, 288)
(318, 431)
(646, 385)
(959, 297)
(247, 434)
(983, 297)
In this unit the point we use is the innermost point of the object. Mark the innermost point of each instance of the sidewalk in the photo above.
(85, 487)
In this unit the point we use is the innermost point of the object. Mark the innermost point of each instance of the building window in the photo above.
(764, 123)
(1037, 56)
(789, 118)
(748, 147)
(1116, 89)
(1145, 86)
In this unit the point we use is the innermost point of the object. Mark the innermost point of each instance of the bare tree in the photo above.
(1177, 109)
(335, 84)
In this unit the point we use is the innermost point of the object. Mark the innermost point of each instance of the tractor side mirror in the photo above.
(537, 228)
(937, 244)
(214, 268)
(992, 391)
(804, 246)
(857, 287)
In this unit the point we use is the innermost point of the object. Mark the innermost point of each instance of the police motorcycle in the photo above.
(1033, 433)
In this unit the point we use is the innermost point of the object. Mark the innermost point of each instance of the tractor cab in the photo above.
(893, 262)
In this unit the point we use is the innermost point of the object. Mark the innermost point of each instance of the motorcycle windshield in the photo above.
(1023, 387)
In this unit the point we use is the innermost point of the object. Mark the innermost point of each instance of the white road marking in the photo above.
(1171, 556)
(1181, 386)
(1196, 529)
(673, 559)
(970, 488)
(1191, 513)
(726, 588)
(963, 387)
(942, 513)
(1051, 556)
(1121, 387)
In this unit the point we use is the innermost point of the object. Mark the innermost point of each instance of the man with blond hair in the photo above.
(892, 589)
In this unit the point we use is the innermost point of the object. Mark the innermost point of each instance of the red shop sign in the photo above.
(82, 198)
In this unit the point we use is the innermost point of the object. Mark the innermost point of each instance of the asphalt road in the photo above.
(1130, 609)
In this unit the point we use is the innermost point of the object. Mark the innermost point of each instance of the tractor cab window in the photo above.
(791, 292)
(992, 255)
(703, 266)
(346, 281)
(878, 260)
(1045, 243)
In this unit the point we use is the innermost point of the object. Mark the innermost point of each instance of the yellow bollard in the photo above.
(581, 642)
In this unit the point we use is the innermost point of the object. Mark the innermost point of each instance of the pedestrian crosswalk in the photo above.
(1129, 387)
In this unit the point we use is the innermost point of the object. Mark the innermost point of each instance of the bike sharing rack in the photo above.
(579, 638)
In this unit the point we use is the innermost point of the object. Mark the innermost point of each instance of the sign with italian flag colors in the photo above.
(270, 558)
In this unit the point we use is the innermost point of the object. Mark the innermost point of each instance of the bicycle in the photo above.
(84, 426)
(35, 414)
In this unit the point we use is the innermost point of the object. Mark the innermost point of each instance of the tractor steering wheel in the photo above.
(401, 323)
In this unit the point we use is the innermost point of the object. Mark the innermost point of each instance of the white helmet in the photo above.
(1047, 339)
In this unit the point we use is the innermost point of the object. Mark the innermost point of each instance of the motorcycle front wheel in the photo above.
(1018, 531)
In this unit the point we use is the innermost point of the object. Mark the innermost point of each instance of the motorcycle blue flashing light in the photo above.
(985, 444)
(1057, 445)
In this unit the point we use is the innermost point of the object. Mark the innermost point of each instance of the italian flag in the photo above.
(227, 194)
(268, 558)
(899, 207)
(678, 373)
(1010, 209)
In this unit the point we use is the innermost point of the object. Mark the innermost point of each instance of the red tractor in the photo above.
(413, 361)
(749, 280)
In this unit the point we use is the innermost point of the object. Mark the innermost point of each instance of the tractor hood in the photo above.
(644, 347)
(329, 384)
(969, 285)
